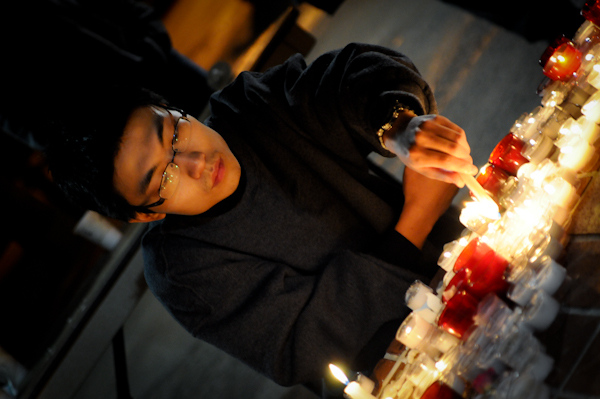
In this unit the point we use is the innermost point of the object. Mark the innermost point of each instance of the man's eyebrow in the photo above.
(157, 124)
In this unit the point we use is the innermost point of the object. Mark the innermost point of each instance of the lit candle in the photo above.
(492, 179)
(457, 316)
(478, 192)
(477, 215)
(353, 389)
(561, 192)
(507, 154)
(576, 153)
(451, 251)
(591, 108)
(561, 59)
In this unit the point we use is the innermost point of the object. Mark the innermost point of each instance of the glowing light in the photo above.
(463, 241)
(589, 57)
(550, 189)
(408, 329)
(566, 150)
(561, 58)
(441, 365)
(596, 68)
(339, 374)
(531, 120)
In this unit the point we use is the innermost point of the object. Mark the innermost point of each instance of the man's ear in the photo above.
(141, 217)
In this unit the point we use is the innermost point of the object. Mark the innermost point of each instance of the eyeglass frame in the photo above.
(167, 108)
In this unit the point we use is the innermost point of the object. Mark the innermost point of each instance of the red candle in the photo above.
(471, 254)
(591, 11)
(561, 59)
(492, 179)
(457, 316)
(488, 276)
(439, 390)
(507, 154)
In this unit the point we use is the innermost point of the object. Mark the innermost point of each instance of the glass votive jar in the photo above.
(421, 299)
(418, 334)
(540, 312)
(561, 192)
(591, 108)
(507, 154)
(576, 153)
(488, 276)
(472, 254)
(586, 36)
(591, 11)
(457, 315)
(440, 390)
(452, 250)
(555, 121)
(549, 275)
(476, 216)
(492, 179)
(539, 148)
(561, 59)
(583, 127)
(522, 287)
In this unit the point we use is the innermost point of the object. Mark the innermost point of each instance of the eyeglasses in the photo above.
(181, 135)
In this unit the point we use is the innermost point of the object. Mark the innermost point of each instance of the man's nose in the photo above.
(191, 163)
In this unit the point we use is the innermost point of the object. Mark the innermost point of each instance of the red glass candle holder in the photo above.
(561, 59)
(457, 316)
(488, 276)
(439, 390)
(591, 11)
(471, 254)
(492, 179)
(507, 154)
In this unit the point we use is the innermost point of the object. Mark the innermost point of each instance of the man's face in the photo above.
(209, 172)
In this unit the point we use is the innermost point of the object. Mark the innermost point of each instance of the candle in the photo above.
(416, 333)
(538, 148)
(353, 388)
(457, 316)
(473, 252)
(479, 193)
(421, 299)
(439, 390)
(549, 275)
(576, 153)
(451, 251)
(586, 36)
(561, 59)
(591, 108)
(582, 127)
(517, 385)
(492, 179)
(541, 311)
(477, 215)
(507, 154)
(561, 192)
(591, 11)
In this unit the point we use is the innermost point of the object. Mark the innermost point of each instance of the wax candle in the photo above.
(473, 252)
(561, 59)
(541, 311)
(561, 192)
(422, 300)
(416, 333)
(492, 179)
(591, 108)
(439, 390)
(582, 127)
(576, 153)
(586, 36)
(457, 315)
(451, 251)
(353, 388)
(517, 385)
(549, 275)
(538, 148)
(476, 216)
(507, 154)
(591, 11)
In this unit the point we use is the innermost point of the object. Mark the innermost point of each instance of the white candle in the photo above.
(561, 192)
(480, 194)
(355, 391)
(591, 108)
(549, 275)
(575, 153)
(421, 299)
(540, 366)
(539, 148)
(541, 311)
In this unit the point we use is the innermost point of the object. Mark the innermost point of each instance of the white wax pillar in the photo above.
(575, 153)
(561, 192)
(540, 366)
(590, 131)
(550, 275)
(591, 108)
(355, 391)
(417, 299)
(541, 311)
(538, 148)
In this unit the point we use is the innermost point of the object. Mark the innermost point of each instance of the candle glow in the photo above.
(339, 374)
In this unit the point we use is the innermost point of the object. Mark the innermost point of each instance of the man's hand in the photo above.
(425, 201)
(439, 149)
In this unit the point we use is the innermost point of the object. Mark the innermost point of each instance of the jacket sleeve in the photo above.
(285, 323)
(341, 99)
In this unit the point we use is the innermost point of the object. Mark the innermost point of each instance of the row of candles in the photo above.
(475, 335)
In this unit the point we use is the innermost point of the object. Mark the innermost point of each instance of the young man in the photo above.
(273, 240)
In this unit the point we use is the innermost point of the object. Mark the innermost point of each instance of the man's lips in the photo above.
(218, 172)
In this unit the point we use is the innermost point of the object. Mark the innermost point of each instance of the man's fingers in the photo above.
(421, 158)
(437, 137)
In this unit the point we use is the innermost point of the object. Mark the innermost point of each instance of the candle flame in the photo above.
(339, 374)
(596, 68)
(561, 58)
(441, 365)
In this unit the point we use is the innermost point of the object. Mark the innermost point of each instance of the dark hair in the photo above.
(83, 147)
